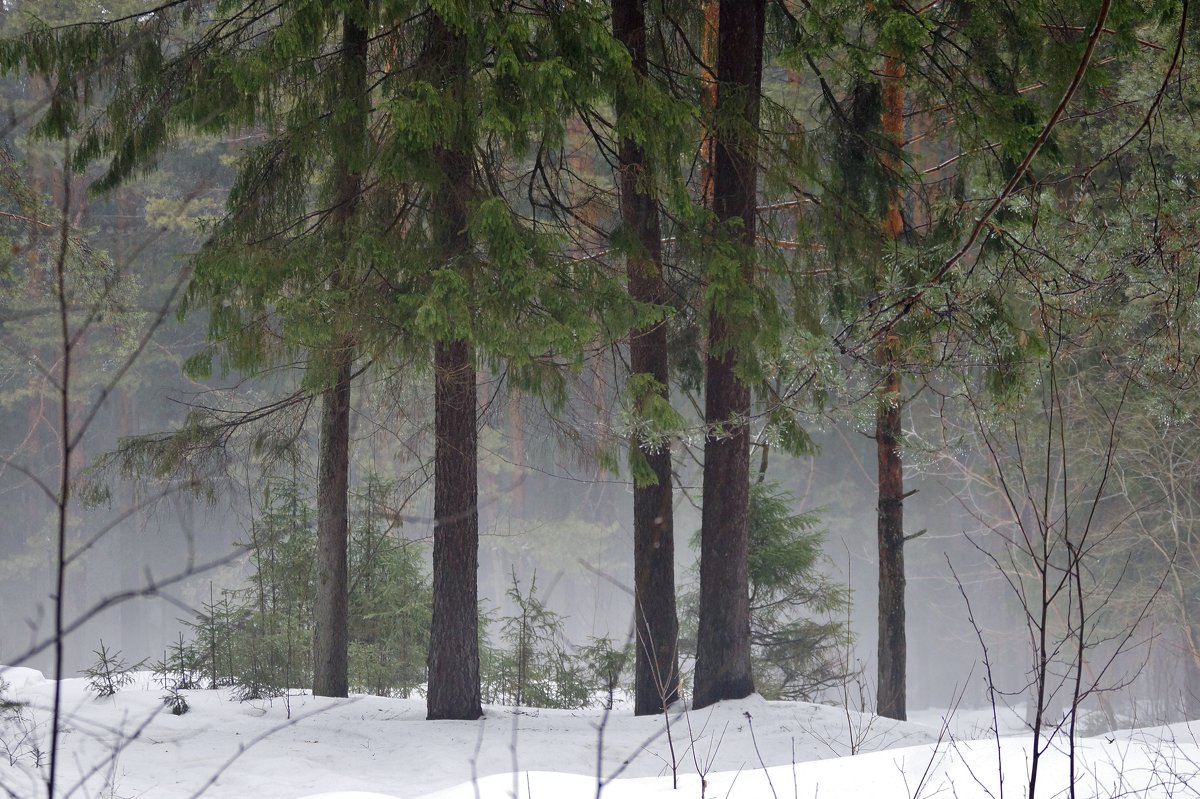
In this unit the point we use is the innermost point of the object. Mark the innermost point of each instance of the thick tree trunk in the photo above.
(892, 654)
(723, 639)
(453, 690)
(656, 666)
(331, 634)
(454, 634)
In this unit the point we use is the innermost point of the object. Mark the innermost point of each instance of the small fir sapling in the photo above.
(110, 673)
(534, 665)
(179, 670)
(608, 666)
(796, 632)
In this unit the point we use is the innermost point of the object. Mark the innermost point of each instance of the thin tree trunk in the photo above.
(890, 699)
(723, 639)
(892, 655)
(453, 689)
(656, 664)
(331, 634)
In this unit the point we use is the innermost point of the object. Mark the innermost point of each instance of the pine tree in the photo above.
(890, 693)
(906, 251)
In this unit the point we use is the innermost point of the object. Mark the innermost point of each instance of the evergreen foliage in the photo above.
(798, 624)
(458, 196)
(110, 672)
(389, 602)
(532, 664)
(798, 628)
(258, 639)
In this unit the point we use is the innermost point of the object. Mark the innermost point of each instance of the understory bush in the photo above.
(20, 736)
(533, 665)
(258, 639)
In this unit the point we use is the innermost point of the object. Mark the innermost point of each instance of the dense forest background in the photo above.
(977, 225)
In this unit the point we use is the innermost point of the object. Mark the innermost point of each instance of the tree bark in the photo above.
(723, 639)
(453, 689)
(890, 696)
(890, 700)
(656, 663)
(331, 634)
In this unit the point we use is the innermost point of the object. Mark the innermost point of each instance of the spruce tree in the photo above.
(656, 662)
(273, 289)
(331, 625)
(454, 690)
(723, 639)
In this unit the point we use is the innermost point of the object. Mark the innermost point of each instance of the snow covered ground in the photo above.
(372, 748)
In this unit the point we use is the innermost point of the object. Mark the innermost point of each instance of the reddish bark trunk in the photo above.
(892, 654)
(708, 97)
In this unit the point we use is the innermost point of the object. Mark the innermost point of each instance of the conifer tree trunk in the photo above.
(453, 689)
(890, 697)
(331, 607)
(723, 638)
(656, 664)
(331, 635)
(891, 692)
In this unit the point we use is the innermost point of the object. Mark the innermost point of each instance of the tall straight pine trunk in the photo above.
(656, 663)
(331, 636)
(892, 654)
(453, 690)
(723, 639)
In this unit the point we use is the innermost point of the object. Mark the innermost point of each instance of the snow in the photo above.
(374, 748)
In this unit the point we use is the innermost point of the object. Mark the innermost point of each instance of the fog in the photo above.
(548, 511)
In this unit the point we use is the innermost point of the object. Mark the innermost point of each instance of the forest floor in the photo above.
(129, 746)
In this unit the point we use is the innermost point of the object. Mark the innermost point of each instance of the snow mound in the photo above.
(20, 678)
